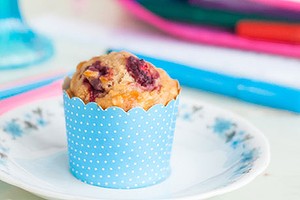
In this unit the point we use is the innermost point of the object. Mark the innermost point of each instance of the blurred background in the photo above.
(256, 42)
(249, 50)
(104, 13)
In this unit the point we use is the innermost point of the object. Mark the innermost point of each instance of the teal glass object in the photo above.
(19, 45)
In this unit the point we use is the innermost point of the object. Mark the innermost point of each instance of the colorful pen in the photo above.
(271, 31)
(246, 6)
(293, 5)
(184, 12)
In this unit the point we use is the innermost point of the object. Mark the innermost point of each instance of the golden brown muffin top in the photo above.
(123, 80)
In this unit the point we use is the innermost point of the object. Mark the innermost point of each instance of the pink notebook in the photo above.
(209, 35)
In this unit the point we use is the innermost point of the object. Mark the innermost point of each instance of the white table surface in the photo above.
(282, 178)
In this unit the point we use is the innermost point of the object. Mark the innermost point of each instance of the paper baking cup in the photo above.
(117, 149)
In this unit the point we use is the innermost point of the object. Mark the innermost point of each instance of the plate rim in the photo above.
(259, 168)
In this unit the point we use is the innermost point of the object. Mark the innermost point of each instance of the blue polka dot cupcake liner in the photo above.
(116, 149)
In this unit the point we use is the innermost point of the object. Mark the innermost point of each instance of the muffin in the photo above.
(123, 80)
(120, 116)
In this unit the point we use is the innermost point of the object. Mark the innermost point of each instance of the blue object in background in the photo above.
(253, 91)
(19, 45)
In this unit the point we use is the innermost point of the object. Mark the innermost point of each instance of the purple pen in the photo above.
(246, 7)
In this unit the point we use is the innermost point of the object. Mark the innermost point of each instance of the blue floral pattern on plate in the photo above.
(3, 152)
(19, 125)
(31, 121)
(231, 134)
(237, 139)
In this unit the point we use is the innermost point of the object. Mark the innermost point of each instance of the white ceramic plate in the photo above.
(214, 152)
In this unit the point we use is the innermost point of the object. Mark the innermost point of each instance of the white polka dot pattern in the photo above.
(117, 149)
